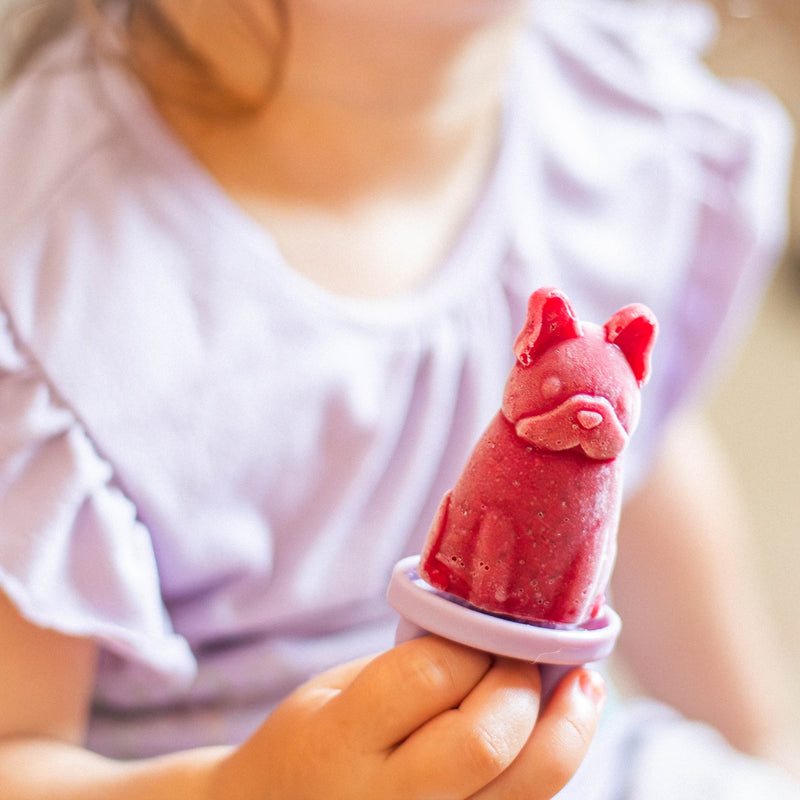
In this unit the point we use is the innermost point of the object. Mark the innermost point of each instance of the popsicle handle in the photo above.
(406, 631)
(551, 675)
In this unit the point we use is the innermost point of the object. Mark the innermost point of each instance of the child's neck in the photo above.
(367, 160)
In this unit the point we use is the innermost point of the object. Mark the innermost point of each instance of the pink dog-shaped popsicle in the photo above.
(529, 530)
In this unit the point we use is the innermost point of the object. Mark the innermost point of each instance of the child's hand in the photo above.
(428, 719)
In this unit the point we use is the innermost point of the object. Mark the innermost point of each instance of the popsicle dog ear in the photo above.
(551, 319)
(634, 330)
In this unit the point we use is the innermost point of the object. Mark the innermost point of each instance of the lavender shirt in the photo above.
(209, 464)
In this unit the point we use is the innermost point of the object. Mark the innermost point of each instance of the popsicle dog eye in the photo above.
(551, 386)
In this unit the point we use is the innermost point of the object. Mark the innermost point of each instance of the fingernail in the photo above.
(593, 687)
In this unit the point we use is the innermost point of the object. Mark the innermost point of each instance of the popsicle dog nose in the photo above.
(589, 419)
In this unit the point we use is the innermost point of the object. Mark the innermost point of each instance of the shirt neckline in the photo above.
(476, 255)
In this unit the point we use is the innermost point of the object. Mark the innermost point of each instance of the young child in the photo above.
(261, 266)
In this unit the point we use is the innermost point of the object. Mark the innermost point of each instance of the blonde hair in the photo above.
(30, 26)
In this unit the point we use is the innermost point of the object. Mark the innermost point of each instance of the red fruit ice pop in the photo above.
(529, 530)
(519, 554)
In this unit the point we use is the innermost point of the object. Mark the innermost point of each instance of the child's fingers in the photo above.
(558, 743)
(463, 749)
(403, 688)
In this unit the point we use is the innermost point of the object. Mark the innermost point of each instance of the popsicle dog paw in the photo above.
(529, 530)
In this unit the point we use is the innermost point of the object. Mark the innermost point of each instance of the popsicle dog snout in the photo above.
(581, 420)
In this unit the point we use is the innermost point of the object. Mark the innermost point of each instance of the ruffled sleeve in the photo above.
(73, 555)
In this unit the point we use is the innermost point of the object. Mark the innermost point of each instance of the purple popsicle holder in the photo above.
(424, 609)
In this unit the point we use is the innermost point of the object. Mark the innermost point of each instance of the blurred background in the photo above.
(756, 409)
